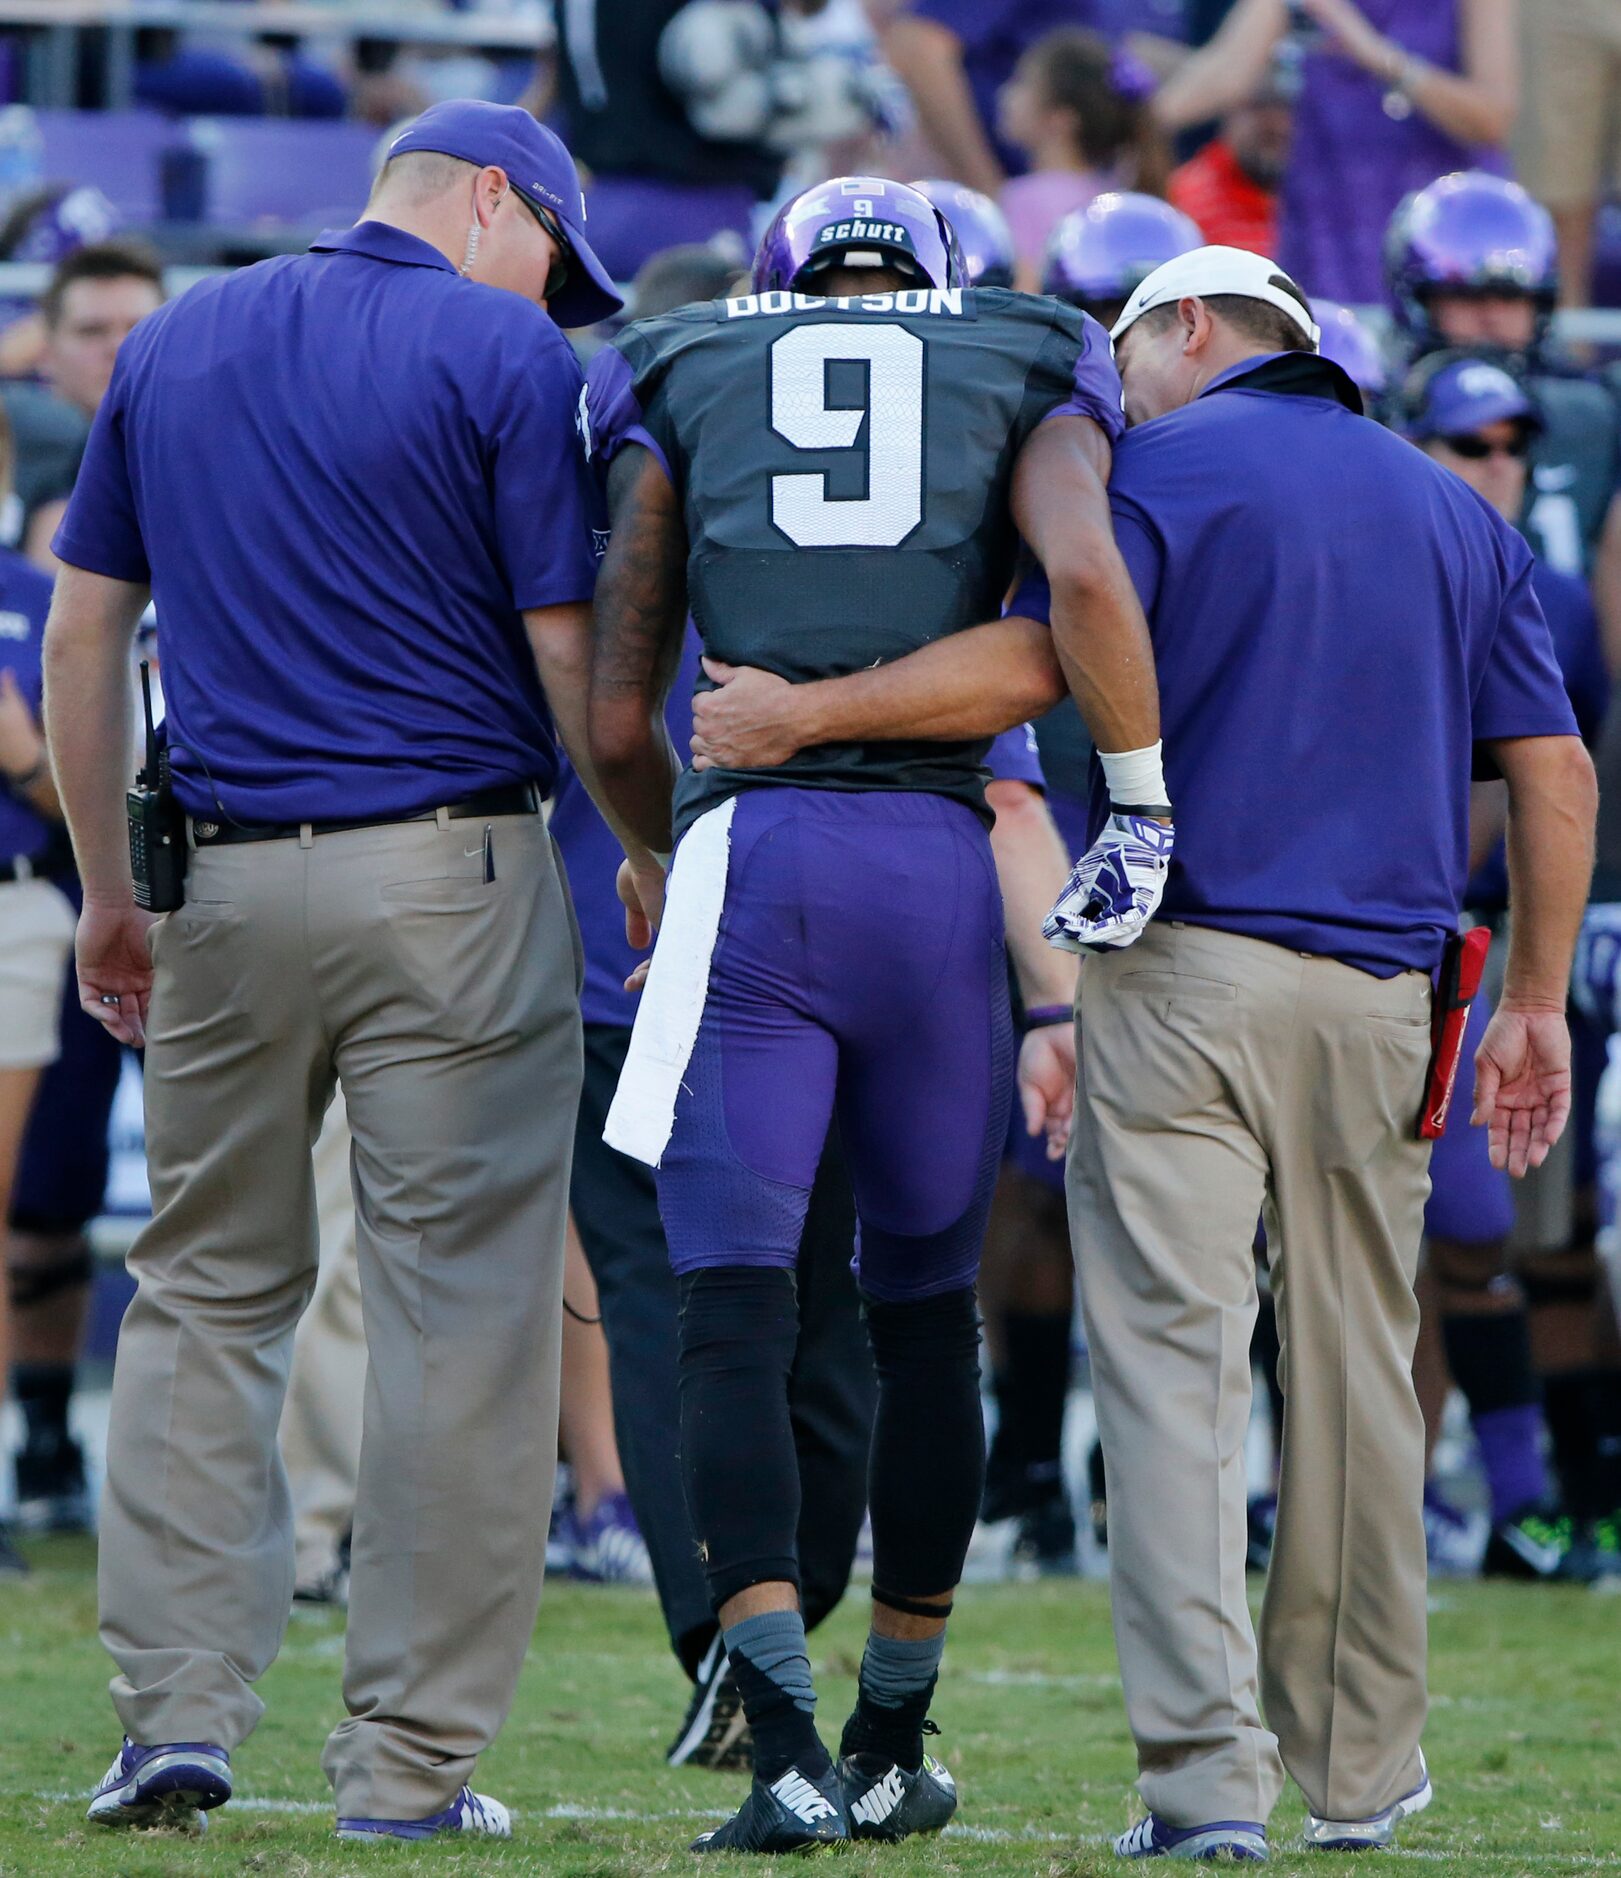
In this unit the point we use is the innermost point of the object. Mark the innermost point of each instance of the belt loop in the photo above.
(191, 834)
(441, 816)
(306, 834)
(22, 868)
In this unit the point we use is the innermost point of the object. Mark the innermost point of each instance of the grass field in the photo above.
(1524, 1742)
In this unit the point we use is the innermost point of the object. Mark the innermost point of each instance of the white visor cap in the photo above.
(1207, 272)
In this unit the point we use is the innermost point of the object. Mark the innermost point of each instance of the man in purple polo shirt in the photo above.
(1343, 631)
(353, 483)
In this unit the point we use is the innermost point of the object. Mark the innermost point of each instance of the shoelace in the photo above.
(619, 1553)
(475, 1814)
(1140, 1838)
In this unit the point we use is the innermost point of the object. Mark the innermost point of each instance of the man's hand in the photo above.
(1522, 1086)
(641, 893)
(1047, 1084)
(751, 720)
(1116, 887)
(115, 968)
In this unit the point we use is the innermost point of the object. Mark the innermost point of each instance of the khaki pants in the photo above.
(1219, 1074)
(326, 1393)
(448, 1009)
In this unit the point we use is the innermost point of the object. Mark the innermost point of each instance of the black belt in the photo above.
(510, 799)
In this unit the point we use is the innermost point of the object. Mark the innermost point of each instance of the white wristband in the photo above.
(1135, 777)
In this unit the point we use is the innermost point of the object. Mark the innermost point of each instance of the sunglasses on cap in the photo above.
(1477, 449)
(557, 279)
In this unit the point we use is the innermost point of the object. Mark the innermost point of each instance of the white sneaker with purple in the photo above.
(608, 1548)
(1370, 1835)
(1242, 1839)
(173, 1785)
(469, 1812)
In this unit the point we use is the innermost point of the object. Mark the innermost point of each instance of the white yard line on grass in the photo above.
(981, 1835)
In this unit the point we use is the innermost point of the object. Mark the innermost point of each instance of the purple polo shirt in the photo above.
(346, 474)
(1338, 623)
(25, 598)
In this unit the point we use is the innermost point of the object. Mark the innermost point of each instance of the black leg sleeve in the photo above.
(928, 1446)
(832, 1393)
(739, 1326)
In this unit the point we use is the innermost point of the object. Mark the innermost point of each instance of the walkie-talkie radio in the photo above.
(157, 824)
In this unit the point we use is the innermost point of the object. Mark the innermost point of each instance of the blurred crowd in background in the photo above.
(1443, 176)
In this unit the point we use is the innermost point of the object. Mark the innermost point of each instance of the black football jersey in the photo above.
(844, 466)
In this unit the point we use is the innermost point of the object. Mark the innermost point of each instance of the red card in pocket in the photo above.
(1462, 964)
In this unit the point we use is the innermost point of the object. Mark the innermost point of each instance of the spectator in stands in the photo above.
(1387, 103)
(955, 56)
(192, 74)
(1230, 187)
(1567, 141)
(93, 302)
(1076, 110)
(666, 110)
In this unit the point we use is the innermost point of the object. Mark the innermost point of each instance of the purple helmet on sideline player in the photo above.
(1469, 233)
(1098, 256)
(860, 221)
(981, 230)
(1346, 341)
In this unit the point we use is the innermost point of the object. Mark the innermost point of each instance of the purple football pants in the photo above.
(859, 971)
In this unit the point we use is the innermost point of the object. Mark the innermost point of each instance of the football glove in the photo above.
(1115, 887)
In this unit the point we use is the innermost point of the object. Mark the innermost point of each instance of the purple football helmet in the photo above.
(1346, 341)
(63, 219)
(981, 230)
(858, 215)
(1470, 233)
(1100, 255)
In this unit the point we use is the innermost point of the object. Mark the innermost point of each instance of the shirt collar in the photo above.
(380, 241)
(1293, 374)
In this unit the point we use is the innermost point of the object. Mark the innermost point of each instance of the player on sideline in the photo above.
(833, 936)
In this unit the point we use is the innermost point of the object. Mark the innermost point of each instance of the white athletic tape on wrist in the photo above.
(1135, 777)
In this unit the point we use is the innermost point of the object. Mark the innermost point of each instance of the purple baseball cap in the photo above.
(540, 169)
(1467, 395)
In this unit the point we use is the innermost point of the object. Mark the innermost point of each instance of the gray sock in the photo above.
(896, 1668)
(774, 1642)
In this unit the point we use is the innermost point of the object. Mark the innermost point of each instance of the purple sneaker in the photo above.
(1243, 1839)
(469, 1812)
(173, 1785)
(608, 1548)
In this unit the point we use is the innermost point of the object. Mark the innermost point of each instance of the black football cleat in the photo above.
(886, 1802)
(715, 1733)
(796, 1812)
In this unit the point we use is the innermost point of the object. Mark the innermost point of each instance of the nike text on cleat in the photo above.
(1239, 1839)
(172, 1785)
(886, 1802)
(472, 1813)
(715, 1733)
(794, 1813)
(1369, 1835)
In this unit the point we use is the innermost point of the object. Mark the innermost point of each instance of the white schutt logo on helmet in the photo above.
(878, 1802)
(801, 1798)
